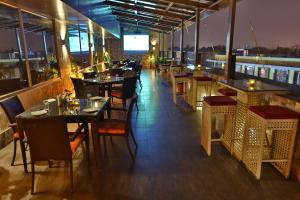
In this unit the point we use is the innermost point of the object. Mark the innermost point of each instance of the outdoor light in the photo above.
(251, 82)
(153, 48)
(153, 42)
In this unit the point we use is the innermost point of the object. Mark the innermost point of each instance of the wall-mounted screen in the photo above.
(136, 43)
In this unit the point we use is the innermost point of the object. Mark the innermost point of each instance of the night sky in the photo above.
(276, 22)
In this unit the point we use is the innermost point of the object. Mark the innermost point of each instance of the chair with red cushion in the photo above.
(12, 107)
(49, 139)
(127, 90)
(116, 127)
(269, 138)
(219, 107)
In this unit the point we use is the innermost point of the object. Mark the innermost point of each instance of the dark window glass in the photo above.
(40, 47)
(12, 64)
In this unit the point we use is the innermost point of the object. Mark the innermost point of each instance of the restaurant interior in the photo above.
(134, 117)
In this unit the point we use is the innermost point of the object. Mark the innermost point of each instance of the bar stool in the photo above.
(181, 78)
(201, 82)
(216, 106)
(269, 137)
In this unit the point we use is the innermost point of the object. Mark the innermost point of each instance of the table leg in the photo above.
(87, 140)
(244, 101)
(174, 89)
(22, 145)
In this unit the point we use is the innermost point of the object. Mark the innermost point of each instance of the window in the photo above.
(12, 64)
(40, 48)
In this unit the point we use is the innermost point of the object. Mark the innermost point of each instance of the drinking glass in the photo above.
(46, 105)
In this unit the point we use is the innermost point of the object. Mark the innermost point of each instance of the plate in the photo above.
(51, 100)
(39, 112)
(96, 98)
(90, 110)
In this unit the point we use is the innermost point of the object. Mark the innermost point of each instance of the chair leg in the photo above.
(136, 104)
(129, 149)
(14, 153)
(32, 177)
(71, 176)
(104, 144)
(111, 140)
(124, 103)
(133, 138)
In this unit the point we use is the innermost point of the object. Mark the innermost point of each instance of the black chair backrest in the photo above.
(82, 89)
(12, 107)
(129, 86)
(129, 111)
(87, 75)
(47, 138)
(116, 71)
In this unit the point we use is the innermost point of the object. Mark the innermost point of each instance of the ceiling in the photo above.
(153, 15)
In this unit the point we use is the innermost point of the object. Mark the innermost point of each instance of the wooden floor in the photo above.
(170, 163)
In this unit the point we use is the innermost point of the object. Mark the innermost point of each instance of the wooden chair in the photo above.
(127, 90)
(49, 139)
(82, 89)
(12, 107)
(116, 127)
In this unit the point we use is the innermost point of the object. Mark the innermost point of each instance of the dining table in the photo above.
(105, 82)
(86, 111)
(250, 92)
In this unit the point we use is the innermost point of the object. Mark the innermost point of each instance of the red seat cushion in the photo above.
(227, 92)
(114, 127)
(203, 78)
(117, 94)
(76, 142)
(219, 100)
(274, 112)
(16, 136)
(182, 75)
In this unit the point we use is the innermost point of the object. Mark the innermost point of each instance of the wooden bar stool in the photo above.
(269, 137)
(198, 84)
(216, 106)
(181, 78)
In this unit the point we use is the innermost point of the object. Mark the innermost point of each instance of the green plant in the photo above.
(106, 57)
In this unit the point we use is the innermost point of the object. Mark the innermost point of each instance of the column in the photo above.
(230, 61)
(181, 43)
(197, 30)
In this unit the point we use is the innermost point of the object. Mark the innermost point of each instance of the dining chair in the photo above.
(49, 139)
(127, 90)
(117, 127)
(12, 107)
(82, 89)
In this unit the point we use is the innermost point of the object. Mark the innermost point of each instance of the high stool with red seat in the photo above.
(269, 137)
(216, 106)
(198, 83)
(180, 78)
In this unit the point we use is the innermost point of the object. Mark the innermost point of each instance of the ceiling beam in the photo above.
(143, 28)
(131, 12)
(158, 5)
(144, 24)
(194, 4)
(147, 10)
(138, 17)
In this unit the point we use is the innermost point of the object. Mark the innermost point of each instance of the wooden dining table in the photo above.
(248, 94)
(70, 114)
